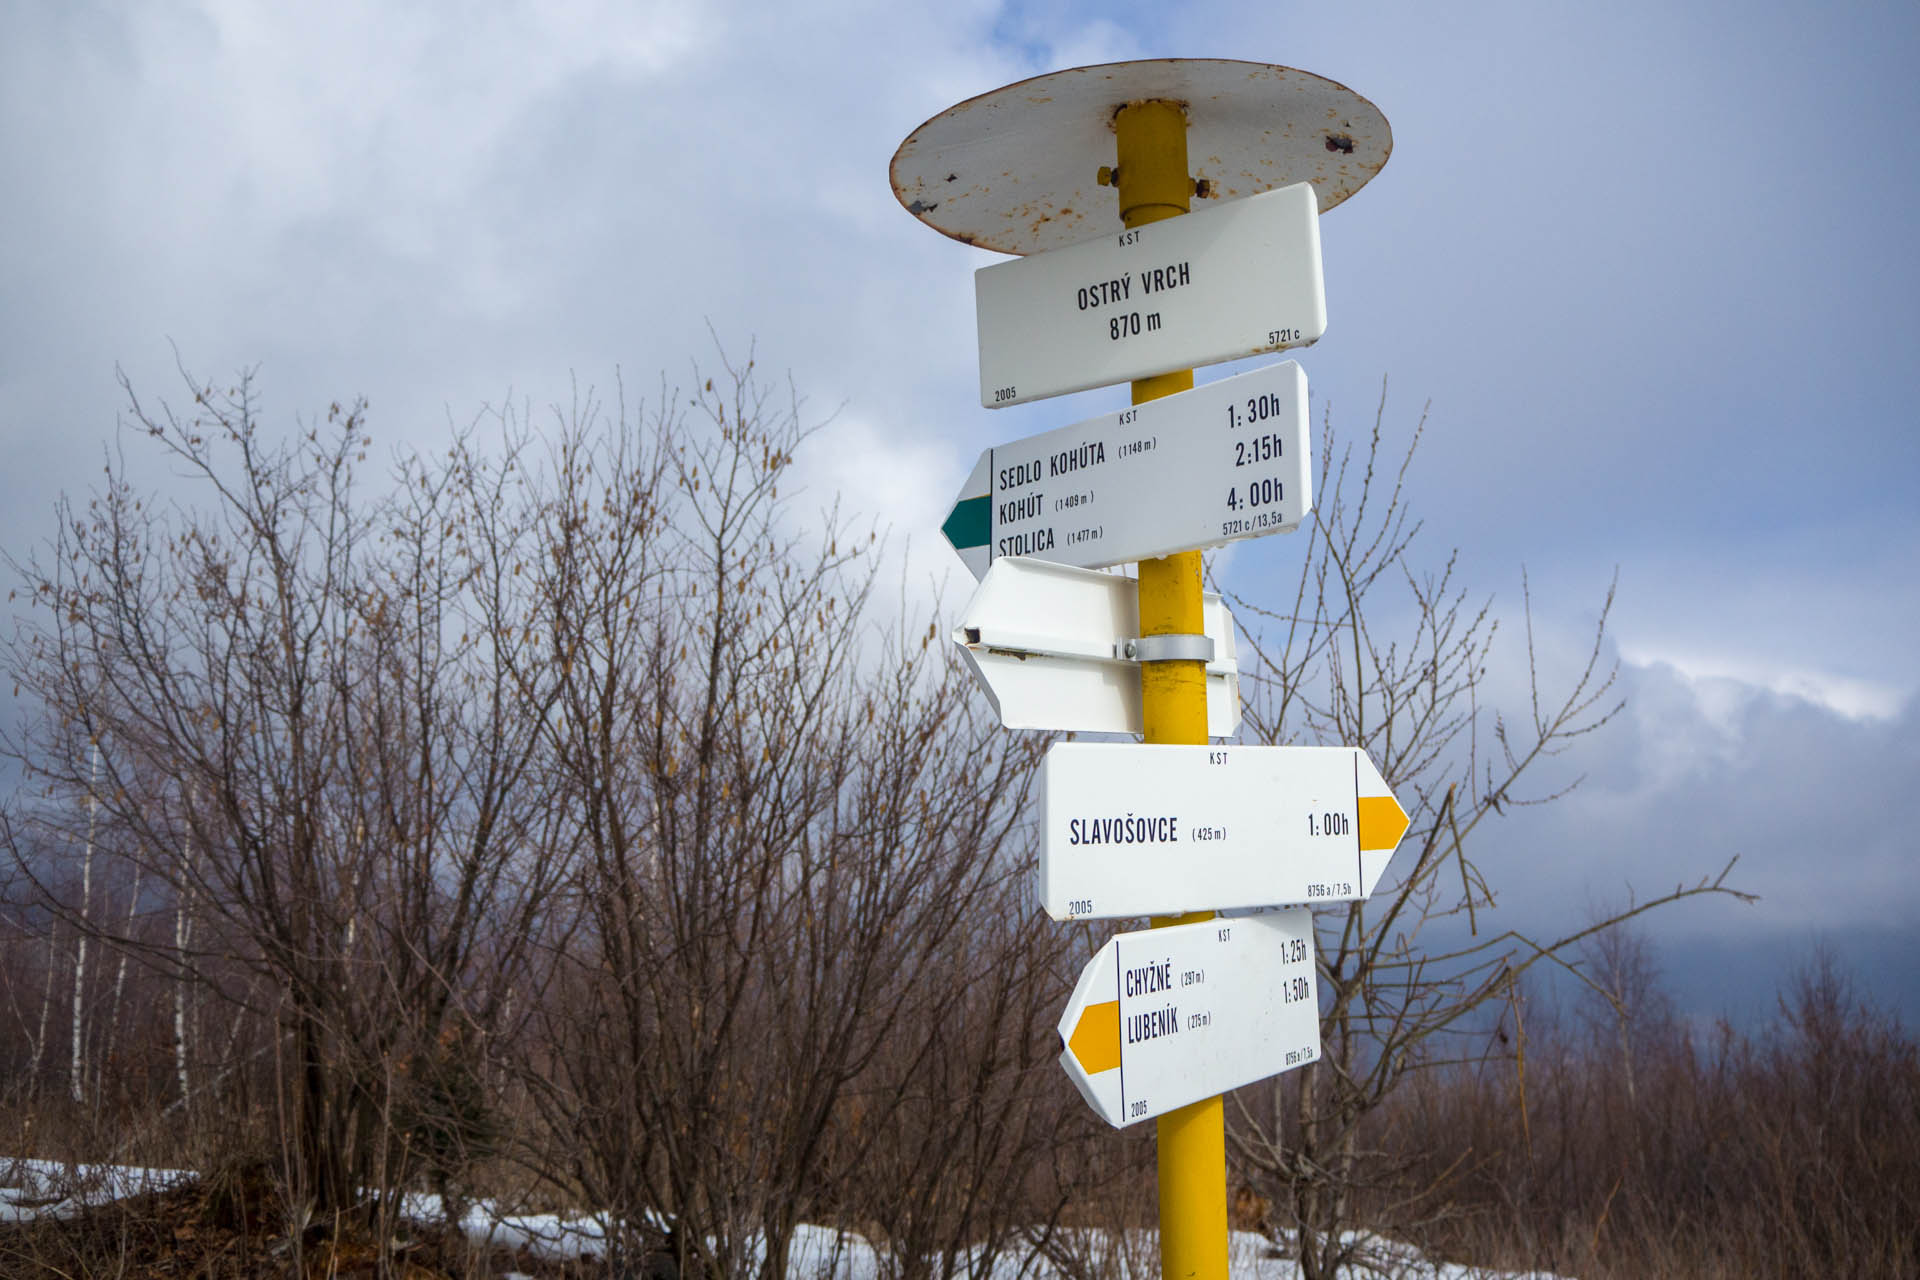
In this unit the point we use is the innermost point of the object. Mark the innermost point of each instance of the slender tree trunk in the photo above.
(77, 1074)
(46, 1000)
(182, 937)
(111, 1035)
(1307, 1191)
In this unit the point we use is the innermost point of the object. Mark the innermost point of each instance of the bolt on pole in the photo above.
(1152, 178)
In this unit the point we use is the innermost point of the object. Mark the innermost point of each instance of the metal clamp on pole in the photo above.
(1167, 648)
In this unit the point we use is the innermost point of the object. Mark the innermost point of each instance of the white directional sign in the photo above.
(1048, 644)
(1130, 830)
(1165, 1017)
(1224, 461)
(1215, 285)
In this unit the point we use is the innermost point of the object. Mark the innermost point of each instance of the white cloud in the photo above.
(1093, 43)
(900, 480)
(1724, 682)
(1701, 770)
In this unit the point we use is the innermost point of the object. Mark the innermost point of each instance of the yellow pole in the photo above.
(1152, 177)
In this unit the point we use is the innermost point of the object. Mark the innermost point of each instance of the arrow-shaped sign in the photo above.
(1165, 1017)
(1130, 830)
(1048, 643)
(1224, 461)
(1223, 283)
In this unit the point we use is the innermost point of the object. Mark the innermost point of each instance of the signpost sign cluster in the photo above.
(1162, 1020)
(1245, 826)
(1048, 643)
(1207, 466)
(1237, 280)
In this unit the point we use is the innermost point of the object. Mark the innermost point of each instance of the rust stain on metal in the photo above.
(1256, 132)
(1186, 108)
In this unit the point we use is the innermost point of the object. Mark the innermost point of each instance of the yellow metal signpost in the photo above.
(1012, 170)
(1154, 184)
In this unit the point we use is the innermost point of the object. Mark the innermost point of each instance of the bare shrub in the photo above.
(790, 988)
(1378, 651)
(1787, 1151)
(264, 690)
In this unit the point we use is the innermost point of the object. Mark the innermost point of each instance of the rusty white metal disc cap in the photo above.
(1014, 170)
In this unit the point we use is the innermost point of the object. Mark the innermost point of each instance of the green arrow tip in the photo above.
(967, 524)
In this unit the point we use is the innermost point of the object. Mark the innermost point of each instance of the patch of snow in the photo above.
(51, 1189)
(44, 1188)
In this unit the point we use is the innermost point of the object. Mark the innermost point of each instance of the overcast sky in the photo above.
(1652, 265)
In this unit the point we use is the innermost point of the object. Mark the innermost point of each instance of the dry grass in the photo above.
(1793, 1151)
(1660, 1151)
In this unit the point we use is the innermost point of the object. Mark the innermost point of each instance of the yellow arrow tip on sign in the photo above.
(1095, 1043)
(1382, 823)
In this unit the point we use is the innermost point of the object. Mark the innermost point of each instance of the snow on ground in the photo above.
(38, 1188)
(50, 1189)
